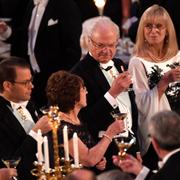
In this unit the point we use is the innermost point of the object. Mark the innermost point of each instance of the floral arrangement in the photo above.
(173, 90)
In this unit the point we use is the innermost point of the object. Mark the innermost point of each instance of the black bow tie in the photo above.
(107, 69)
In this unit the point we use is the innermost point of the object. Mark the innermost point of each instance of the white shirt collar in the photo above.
(17, 105)
(161, 163)
(37, 2)
(105, 65)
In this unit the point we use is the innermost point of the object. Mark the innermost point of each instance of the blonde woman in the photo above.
(154, 68)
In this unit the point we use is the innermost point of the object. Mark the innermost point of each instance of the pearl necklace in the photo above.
(156, 59)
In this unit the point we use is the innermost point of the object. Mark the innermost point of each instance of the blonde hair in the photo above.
(158, 13)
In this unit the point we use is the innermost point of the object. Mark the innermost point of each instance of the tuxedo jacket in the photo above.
(97, 112)
(170, 170)
(97, 85)
(14, 141)
(57, 44)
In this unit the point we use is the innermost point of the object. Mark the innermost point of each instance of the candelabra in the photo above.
(62, 167)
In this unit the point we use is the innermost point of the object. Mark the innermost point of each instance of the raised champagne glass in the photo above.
(119, 116)
(124, 144)
(11, 162)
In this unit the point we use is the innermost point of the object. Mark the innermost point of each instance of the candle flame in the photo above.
(99, 3)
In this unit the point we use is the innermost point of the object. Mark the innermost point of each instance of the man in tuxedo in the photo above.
(49, 37)
(164, 130)
(18, 117)
(106, 83)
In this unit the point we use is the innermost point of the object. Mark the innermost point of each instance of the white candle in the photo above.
(66, 143)
(46, 154)
(75, 148)
(39, 146)
(100, 3)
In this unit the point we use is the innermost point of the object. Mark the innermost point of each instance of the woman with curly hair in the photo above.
(68, 92)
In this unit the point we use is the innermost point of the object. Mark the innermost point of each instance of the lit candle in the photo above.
(66, 143)
(39, 146)
(100, 5)
(46, 154)
(75, 148)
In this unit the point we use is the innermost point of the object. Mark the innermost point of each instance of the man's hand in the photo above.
(130, 164)
(120, 84)
(43, 124)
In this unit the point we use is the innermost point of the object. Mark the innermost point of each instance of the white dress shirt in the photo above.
(122, 101)
(23, 115)
(36, 18)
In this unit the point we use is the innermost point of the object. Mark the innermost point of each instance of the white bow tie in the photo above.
(106, 65)
(17, 105)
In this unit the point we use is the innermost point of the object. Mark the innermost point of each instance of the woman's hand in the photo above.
(102, 164)
(172, 75)
(115, 128)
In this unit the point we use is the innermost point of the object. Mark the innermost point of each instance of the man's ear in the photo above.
(7, 85)
(155, 145)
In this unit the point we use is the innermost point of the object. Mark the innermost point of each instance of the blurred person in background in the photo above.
(49, 39)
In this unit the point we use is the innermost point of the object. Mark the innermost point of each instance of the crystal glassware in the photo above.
(123, 144)
(11, 162)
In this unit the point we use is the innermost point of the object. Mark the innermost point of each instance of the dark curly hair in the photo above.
(63, 90)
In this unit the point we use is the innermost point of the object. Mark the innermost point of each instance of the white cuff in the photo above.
(33, 134)
(6, 34)
(143, 173)
(112, 101)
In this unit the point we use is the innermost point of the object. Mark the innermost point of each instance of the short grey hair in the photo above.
(104, 22)
(115, 174)
(165, 128)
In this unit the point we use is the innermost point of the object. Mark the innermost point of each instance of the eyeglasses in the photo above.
(102, 46)
(158, 26)
(24, 83)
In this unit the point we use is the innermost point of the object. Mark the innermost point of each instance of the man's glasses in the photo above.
(24, 83)
(150, 26)
(102, 46)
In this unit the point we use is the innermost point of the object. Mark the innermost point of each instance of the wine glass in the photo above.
(130, 87)
(120, 116)
(11, 162)
(123, 144)
(44, 110)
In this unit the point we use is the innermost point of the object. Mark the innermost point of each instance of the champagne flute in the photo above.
(44, 110)
(119, 116)
(129, 88)
(123, 144)
(11, 162)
